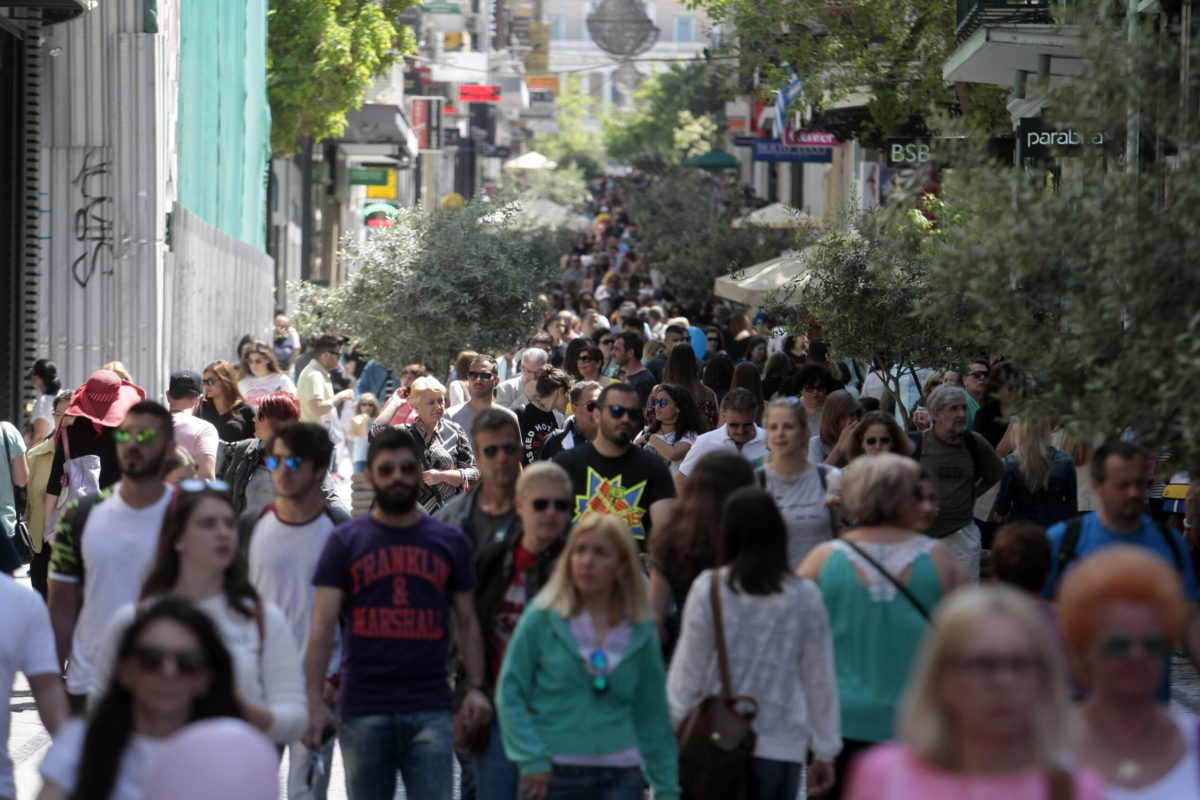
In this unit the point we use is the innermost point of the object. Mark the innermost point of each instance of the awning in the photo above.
(714, 159)
(750, 286)
(529, 162)
(776, 215)
(378, 124)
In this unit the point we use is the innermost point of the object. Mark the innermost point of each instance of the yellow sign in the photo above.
(454, 41)
(386, 191)
(454, 200)
(543, 83)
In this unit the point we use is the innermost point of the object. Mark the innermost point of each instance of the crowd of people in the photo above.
(575, 551)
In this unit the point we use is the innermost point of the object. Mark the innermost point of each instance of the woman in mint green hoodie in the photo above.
(582, 694)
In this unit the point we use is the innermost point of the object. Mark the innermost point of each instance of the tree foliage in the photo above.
(862, 281)
(893, 50)
(1087, 278)
(685, 220)
(431, 286)
(674, 119)
(321, 57)
(577, 141)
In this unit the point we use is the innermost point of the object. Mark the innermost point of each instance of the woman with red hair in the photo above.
(1122, 613)
(244, 467)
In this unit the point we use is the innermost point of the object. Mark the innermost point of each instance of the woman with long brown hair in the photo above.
(687, 540)
(682, 369)
(198, 560)
(259, 374)
(170, 669)
(223, 404)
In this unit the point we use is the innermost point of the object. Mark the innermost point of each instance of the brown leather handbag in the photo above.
(716, 738)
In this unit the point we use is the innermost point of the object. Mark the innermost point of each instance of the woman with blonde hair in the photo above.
(1122, 613)
(447, 461)
(223, 404)
(586, 649)
(877, 625)
(1039, 480)
(985, 714)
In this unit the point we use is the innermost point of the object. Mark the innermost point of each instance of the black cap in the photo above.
(185, 383)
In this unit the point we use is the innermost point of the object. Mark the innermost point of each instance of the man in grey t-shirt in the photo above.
(961, 469)
(481, 378)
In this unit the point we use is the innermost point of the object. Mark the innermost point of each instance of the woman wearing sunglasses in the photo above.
(589, 363)
(199, 561)
(586, 650)
(878, 432)
(1122, 613)
(509, 574)
(223, 404)
(677, 423)
(243, 467)
(170, 669)
(259, 374)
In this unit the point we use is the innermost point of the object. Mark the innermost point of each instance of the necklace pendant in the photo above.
(1128, 770)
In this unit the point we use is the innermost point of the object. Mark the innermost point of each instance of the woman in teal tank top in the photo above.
(876, 628)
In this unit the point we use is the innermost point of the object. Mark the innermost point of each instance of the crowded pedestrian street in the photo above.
(622, 400)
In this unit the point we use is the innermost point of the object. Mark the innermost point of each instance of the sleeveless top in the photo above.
(876, 630)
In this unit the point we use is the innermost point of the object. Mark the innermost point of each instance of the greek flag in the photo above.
(785, 99)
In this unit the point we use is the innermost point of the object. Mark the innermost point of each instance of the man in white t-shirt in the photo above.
(104, 546)
(284, 548)
(27, 645)
(199, 437)
(739, 433)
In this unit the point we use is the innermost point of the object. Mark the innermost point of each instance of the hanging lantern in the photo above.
(622, 28)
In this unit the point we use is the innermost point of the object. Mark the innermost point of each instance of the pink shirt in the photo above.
(199, 437)
(894, 772)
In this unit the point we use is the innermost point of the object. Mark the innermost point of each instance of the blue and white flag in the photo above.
(785, 99)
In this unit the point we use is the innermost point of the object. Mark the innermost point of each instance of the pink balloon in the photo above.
(221, 759)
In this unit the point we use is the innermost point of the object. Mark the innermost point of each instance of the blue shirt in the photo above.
(1094, 536)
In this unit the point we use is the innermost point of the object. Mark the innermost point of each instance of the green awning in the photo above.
(713, 160)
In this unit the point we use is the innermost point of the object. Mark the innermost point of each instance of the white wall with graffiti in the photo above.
(109, 177)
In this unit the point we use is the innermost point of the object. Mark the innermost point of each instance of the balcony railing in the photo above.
(972, 14)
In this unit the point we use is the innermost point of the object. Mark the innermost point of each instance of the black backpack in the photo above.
(1070, 543)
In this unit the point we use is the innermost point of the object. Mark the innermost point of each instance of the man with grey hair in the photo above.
(515, 393)
(739, 434)
(964, 466)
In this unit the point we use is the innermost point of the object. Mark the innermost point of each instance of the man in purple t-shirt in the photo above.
(393, 577)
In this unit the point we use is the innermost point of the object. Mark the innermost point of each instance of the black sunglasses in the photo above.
(152, 659)
(542, 503)
(607, 341)
(509, 448)
(387, 468)
(584, 359)
(616, 412)
(883, 440)
(481, 376)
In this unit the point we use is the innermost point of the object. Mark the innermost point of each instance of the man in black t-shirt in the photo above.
(609, 474)
(627, 351)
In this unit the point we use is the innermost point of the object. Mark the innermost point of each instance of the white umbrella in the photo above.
(750, 285)
(531, 161)
(776, 215)
(555, 214)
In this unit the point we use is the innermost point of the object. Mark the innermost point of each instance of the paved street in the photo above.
(28, 741)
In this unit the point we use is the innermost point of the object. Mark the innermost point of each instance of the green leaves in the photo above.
(431, 286)
(674, 120)
(322, 55)
(686, 233)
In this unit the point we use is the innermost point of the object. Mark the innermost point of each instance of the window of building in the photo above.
(558, 26)
(685, 29)
(588, 8)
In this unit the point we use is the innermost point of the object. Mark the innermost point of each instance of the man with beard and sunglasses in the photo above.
(609, 474)
(393, 577)
(122, 527)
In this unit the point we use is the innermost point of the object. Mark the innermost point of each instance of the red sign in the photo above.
(809, 138)
(478, 93)
(426, 119)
